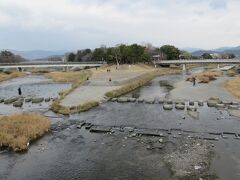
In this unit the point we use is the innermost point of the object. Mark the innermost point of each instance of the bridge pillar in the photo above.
(218, 66)
(184, 67)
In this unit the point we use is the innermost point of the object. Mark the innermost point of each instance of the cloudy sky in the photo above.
(76, 24)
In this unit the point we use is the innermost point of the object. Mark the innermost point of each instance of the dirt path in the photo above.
(185, 90)
(96, 87)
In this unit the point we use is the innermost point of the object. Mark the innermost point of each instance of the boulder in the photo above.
(37, 100)
(10, 100)
(122, 100)
(18, 104)
(167, 107)
(180, 106)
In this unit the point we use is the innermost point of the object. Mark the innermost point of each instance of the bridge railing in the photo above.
(51, 63)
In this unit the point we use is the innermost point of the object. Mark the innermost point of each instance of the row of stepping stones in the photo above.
(18, 101)
(180, 105)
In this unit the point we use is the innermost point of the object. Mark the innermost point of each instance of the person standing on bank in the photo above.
(194, 81)
(19, 91)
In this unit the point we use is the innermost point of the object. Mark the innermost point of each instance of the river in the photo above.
(72, 153)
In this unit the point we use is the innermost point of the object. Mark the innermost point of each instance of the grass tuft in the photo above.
(17, 130)
(233, 86)
(4, 76)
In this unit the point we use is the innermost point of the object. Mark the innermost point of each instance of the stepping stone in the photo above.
(233, 107)
(212, 103)
(131, 99)
(28, 99)
(220, 105)
(18, 104)
(160, 101)
(10, 100)
(114, 99)
(150, 101)
(1, 100)
(88, 125)
(167, 107)
(140, 100)
(226, 102)
(47, 99)
(37, 100)
(122, 100)
(148, 132)
(191, 108)
(169, 101)
(180, 107)
(191, 103)
(235, 103)
(200, 103)
(100, 129)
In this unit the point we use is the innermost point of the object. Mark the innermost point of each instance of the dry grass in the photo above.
(58, 108)
(4, 76)
(74, 77)
(233, 86)
(141, 81)
(205, 77)
(17, 130)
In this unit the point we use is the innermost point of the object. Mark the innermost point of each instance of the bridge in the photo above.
(198, 61)
(44, 64)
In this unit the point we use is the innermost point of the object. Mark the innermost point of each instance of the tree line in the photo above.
(135, 53)
(9, 57)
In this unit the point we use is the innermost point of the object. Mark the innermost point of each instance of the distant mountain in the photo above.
(201, 52)
(190, 49)
(222, 50)
(39, 54)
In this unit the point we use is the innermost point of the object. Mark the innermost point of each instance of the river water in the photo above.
(72, 153)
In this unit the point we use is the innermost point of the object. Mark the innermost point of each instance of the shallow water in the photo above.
(73, 153)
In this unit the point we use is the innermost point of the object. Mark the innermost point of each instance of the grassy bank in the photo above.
(233, 86)
(4, 76)
(58, 108)
(205, 77)
(17, 130)
(76, 78)
(141, 81)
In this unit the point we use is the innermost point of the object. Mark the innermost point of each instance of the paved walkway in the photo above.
(98, 85)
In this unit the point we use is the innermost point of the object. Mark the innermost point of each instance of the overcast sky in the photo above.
(77, 24)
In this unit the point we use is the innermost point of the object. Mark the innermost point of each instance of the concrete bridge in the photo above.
(45, 64)
(198, 61)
